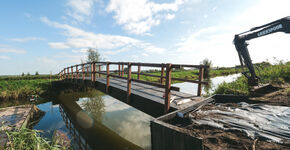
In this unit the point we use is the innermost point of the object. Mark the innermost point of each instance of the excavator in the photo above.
(240, 42)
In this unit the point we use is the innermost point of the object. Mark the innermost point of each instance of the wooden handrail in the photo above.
(83, 69)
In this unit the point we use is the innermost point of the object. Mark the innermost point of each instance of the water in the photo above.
(100, 115)
(191, 88)
(105, 120)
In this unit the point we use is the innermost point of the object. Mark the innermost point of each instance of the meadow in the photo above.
(16, 90)
(278, 74)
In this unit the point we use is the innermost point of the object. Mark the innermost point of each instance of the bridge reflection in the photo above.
(86, 128)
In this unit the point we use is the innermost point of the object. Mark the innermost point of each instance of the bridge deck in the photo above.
(141, 94)
(179, 99)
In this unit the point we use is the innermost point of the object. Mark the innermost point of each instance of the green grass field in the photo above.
(22, 89)
(274, 74)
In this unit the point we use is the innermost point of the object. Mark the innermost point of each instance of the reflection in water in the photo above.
(93, 119)
(191, 88)
(95, 133)
(126, 121)
(95, 107)
(107, 123)
(77, 137)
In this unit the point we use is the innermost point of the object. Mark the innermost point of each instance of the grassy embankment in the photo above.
(187, 74)
(13, 89)
(275, 74)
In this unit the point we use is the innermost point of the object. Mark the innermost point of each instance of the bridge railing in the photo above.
(124, 71)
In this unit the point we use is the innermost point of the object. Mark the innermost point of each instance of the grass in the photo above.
(29, 139)
(28, 77)
(188, 74)
(22, 89)
(274, 74)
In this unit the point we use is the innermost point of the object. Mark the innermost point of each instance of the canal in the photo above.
(102, 121)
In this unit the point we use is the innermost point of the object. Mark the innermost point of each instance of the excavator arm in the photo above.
(281, 25)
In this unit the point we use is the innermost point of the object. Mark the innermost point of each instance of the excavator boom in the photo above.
(281, 25)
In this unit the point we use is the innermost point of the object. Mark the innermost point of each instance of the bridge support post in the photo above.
(129, 83)
(77, 70)
(122, 70)
(162, 75)
(93, 71)
(108, 77)
(167, 88)
(72, 73)
(64, 73)
(88, 72)
(200, 78)
(99, 71)
(119, 69)
(67, 72)
(83, 70)
(139, 70)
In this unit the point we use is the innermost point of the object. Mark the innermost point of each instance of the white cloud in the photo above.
(80, 9)
(138, 16)
(77, 38)
(216, 44)
(26, 39)
(4, 57)
(170, 16)
(144, 54)
(11, 50)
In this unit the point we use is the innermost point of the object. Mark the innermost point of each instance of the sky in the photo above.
(46, 36)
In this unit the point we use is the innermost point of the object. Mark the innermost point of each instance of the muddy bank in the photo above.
(14, 118)
(279, 96)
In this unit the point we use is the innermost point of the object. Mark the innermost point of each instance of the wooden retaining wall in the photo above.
(165, 136)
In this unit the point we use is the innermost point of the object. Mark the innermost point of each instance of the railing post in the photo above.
(77, 70)
(122, 70)
(83, 70)
(67, 72)
(108, 77)
(139, 70)
(99, 71)
(129, 84)
(72, 72)
(200, 78)
(167, 88)
(162, 75)
(119, 69)
(93, 71)
(88, 71)
(64, 73)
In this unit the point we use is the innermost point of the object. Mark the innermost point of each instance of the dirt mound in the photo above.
(279, 97)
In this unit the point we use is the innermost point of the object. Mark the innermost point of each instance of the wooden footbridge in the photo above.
(123, 81)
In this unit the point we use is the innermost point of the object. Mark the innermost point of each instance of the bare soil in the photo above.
(219, 139)
(280, 97)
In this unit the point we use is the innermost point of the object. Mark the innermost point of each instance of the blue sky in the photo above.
(46, 36)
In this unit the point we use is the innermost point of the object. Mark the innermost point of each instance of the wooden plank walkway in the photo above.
(121, 79)
(179, 100)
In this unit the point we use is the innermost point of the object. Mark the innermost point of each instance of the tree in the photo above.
(36, 73)
(208, 63)
(28, 74)
(93, 55)
(22, 74)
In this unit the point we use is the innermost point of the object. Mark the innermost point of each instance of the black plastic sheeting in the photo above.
(257, 120)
